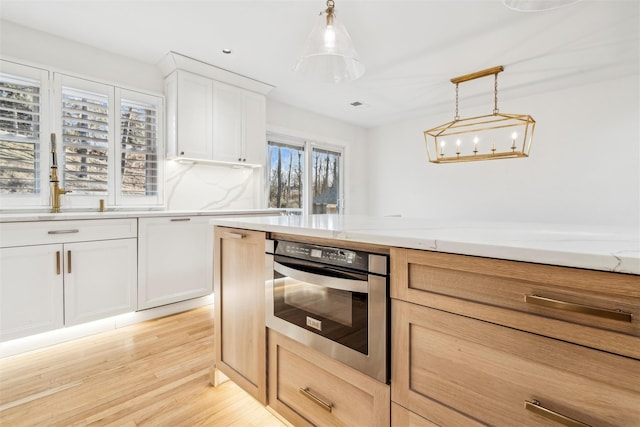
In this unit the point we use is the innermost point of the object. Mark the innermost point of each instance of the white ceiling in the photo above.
(410, 48)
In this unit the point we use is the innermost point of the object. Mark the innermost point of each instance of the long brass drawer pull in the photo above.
(234, 235)
(57, 263)
(535, 407)
(578, 308)
(63, 231)
(327, 406)
(180, 219)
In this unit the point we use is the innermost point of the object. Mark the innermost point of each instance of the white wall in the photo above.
(38, 48)
(188, 186)
(293, 121)
(584, 166)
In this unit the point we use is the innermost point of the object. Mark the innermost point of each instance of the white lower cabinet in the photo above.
(31, 290)
(62, 273)
(99, 279)
(175, 260)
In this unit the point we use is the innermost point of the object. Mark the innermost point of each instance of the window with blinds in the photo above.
(138, 148)
(85, 141)
(19, 135)
(109, 140)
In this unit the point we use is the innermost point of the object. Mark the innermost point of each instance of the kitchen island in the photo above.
(491, 323)
(615, 249)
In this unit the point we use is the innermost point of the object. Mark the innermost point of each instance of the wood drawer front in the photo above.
(426, 277)
(444, 363)
(47, 232)
(402, 417)
(355, 398)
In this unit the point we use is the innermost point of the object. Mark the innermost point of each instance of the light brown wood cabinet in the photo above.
(468, 349)
(308, 388)
(240, 332)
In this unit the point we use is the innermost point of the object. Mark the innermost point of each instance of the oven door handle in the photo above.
(349, 285)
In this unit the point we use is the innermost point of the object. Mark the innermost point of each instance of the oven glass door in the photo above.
(322, 299)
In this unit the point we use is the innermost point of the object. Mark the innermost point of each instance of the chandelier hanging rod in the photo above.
(478, 74)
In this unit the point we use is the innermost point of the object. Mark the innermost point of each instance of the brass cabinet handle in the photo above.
(68, 261)
(57, 263)
(535, 407)
(63, 231)
(578, 308)
(234, 235)
(327, 406)
(179, 219)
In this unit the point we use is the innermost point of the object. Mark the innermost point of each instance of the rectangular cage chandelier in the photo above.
(490, 137)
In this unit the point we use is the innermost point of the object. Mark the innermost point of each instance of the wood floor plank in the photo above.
(154, 373)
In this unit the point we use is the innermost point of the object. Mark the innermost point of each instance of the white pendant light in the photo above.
(536, 5)
(329, 55)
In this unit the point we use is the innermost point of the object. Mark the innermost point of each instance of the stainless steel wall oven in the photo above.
(332, 299)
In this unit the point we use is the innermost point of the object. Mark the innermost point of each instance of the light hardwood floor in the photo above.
(154, 373)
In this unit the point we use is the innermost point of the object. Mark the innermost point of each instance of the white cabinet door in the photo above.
(194, 115)
(227, 123)
(175, 260)
(211, 120)
(99, 279)
(254, 125)
(31, 293)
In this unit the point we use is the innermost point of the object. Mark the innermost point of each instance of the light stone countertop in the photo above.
(613, 249)
(9, 216)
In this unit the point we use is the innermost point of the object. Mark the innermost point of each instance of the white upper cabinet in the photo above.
(254, 137)
(227, 123)
(239, 125)
(213, 114)
(190, 114)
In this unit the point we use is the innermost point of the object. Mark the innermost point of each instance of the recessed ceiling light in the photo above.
(356, 104)
(226, 51)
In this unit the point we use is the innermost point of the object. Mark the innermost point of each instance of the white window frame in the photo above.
(9, 201)
(290, 138)
(113, 198)
(327, 147)
(153, 200)
(73, 200)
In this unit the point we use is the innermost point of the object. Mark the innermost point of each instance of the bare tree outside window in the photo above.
(286, 175)
(304, 175)
(326, 181)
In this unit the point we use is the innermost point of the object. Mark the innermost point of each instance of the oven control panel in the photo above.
(323, 254)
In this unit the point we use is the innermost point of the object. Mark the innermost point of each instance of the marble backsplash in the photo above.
(203, 186)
